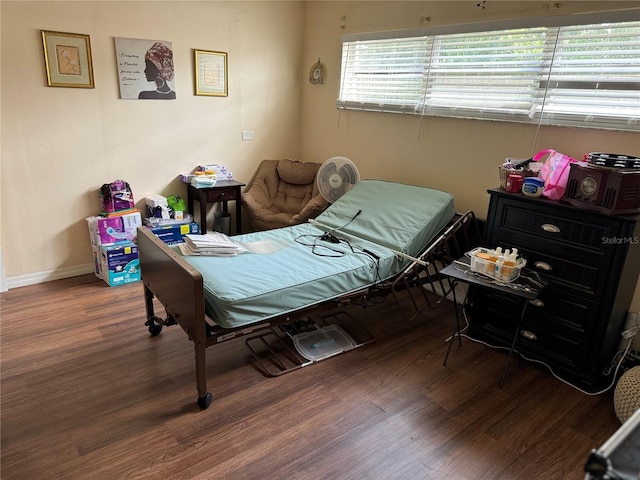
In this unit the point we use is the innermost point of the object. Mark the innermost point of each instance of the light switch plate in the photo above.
(247, 135)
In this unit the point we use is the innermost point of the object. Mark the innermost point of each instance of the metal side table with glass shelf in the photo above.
(525, 289)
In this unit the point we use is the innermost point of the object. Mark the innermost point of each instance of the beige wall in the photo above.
(59, 145)
(459, 156)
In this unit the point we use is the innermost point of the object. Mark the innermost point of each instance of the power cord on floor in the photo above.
(533, 360)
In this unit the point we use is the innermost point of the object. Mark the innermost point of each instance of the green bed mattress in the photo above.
(304, 270)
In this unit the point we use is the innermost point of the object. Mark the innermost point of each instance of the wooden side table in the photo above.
(223, 191)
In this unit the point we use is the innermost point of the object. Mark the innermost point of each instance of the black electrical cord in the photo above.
(328, 237)
(326, 249)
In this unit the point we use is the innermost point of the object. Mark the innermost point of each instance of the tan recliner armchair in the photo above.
(283, 193)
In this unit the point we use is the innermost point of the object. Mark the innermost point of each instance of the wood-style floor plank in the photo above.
(87, 393)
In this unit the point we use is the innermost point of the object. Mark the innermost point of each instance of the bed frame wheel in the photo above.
(204, 402)
(155, 325)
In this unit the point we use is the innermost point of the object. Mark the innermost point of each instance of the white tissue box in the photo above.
(154, 201)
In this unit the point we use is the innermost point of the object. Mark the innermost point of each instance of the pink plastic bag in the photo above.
(555, 172)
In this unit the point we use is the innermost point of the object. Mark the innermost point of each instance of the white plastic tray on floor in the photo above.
(322, 343)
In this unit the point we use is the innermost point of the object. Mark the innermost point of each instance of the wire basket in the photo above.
(505, 172)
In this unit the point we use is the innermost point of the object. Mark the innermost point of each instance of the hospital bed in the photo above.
(380, 238)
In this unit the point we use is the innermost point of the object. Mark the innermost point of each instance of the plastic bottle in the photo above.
(508, 266)
(499, 267)
(493, 258)
(510, 259)
(504, 267)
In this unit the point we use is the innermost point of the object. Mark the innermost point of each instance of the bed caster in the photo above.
(204, 402)
(155, 327)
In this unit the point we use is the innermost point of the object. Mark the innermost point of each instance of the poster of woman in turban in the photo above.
(145, 69)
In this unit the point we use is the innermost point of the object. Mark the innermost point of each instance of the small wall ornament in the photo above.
(316, 74)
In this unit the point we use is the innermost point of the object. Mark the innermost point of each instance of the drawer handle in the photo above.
(550, 227)
(528, 335)
(537, 302)
(543, 266)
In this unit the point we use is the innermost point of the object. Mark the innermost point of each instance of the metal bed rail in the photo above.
(421, 282)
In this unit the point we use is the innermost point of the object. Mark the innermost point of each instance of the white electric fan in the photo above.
(336, 176)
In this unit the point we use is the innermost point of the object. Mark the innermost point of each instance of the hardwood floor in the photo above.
(88, 394)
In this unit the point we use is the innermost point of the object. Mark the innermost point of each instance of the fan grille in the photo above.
(336, 177)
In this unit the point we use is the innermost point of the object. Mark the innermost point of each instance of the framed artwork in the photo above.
(210, 73)
(67, 59)
(145, 69)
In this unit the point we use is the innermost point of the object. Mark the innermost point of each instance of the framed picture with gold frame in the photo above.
(210, 73)
(67, 59)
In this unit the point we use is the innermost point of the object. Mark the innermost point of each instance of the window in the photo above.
(385, 74)
(593, 77)
(585, 75)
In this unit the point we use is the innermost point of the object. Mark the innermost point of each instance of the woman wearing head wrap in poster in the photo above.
(159, 69)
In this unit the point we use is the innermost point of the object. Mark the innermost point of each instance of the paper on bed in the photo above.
(266, 245)
(219, 244)
(212, 244)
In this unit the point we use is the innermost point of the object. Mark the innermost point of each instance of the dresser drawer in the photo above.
(584, 275)
(565, 315)
(579, 235)
(557, 332)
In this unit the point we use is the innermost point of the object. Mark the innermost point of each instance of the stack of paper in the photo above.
(215, 244)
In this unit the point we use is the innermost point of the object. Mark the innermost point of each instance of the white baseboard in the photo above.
(41, 277)
(3, 277)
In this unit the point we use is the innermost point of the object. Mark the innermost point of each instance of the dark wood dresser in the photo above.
(591, 261)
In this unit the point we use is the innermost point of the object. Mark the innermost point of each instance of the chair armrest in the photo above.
(312, 209)
(250, 203)
(256, 198)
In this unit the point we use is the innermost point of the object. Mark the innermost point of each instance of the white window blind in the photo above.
(494, 74)
(592, 77)
(384, 75)
(587, 75)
